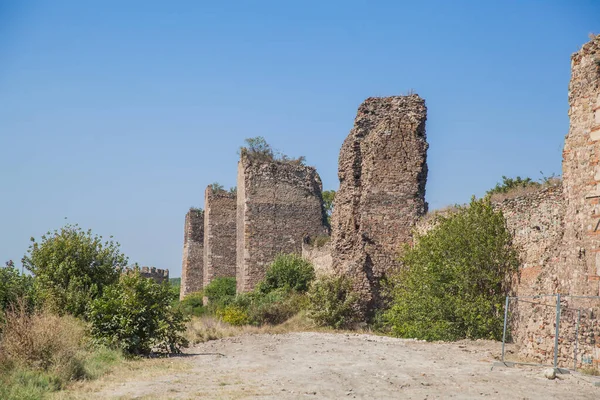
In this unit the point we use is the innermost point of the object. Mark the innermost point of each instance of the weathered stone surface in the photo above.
(278, 203)
(219, 234)
(319, 257)
(382, 171)
(581, 175)
(193, 258)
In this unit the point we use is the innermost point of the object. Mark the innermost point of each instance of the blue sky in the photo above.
(117, 114)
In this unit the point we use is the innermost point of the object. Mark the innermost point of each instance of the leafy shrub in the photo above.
(136, 314)
(14, 286)
(455, 278)
(289, 272)
(234, 315)
(257, 148)
(193, 304)
(332, 302)
(72, 267)
(220, 292)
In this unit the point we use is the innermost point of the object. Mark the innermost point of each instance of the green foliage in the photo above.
(15, 287)
(320, 241)
(136, 314)
(455, 278)
(233, 190)
(192, 304)
(216, 187)
(234, 315)
(328, 199)
(288, 272)
(257, 148)
(196, 210)
(332, 302)
(220, 292)
(270, 308)
(509, 184)
(72, 267)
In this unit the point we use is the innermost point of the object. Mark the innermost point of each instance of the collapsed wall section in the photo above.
(219, 234)
(278, 204)
(382, 171)
(193, 257)
(581, 175)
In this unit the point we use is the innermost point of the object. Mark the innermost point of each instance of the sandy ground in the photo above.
(353, 366)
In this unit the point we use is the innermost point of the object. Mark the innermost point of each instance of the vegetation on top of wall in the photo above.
(513, 187)
(216, 187)
(258, 149)
(455, 278)
(196, 210)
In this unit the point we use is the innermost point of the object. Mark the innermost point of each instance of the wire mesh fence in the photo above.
(557, 330)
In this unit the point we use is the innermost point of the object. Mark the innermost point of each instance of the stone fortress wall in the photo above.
(278, 203)
(192, 269)
(219, 234)
(382, 172)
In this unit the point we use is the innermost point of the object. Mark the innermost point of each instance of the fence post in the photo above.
(576, 339)
(557, 330)
(504, 329)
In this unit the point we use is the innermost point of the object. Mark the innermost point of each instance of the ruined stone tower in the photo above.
(193, 258)
(219, 234)
(382, 170)
(581, 176)
(278, 203)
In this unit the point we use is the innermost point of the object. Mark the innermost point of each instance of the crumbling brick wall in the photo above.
(319, 257)
(382, 172)
(581, 175)
(219, 234)
(278, 203)
(193, 257)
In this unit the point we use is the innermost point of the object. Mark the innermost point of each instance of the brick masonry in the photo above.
(278, 203)
(382, 171)
(219, 234)
(193, 249)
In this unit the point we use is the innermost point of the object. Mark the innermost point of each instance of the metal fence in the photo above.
(554, 330)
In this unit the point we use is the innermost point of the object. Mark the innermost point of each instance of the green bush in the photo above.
(288, 272)
(332, 302)
(72, 267)
(455, 278)
(192, 304)
(275, 307)
(136, 314)
(220, 292)
(234, 315)
(15, 287)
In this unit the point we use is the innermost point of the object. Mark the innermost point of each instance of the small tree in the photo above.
(455, 278)
(137, 314)
(216, 187)
(288, 272)
(257, 147)
(509, 184)
(72, 267)
(328, 199)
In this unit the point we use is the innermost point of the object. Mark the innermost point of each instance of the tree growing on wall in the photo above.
(258, 149)
(455, 278)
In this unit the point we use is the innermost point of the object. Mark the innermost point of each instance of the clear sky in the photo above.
(118, 114)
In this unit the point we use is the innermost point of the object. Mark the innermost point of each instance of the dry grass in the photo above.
(43, 342)
(205, 328)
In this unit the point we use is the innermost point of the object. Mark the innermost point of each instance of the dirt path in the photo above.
(334, 366)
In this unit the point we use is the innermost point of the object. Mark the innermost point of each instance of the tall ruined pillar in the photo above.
(219, 234)
(278, 203)
(581, 176)
(382, 171)
(193, 258)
